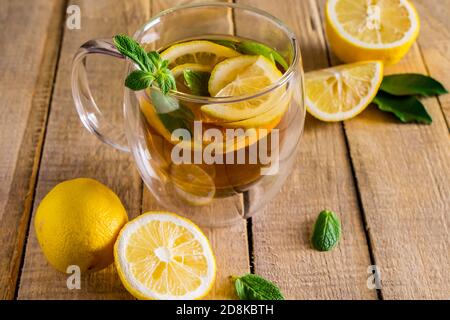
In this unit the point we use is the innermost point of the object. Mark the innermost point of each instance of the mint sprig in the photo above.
(253, 287)
(152, 68)
(327, 231)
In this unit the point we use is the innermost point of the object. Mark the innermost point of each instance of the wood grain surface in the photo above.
(70, 151)
(388, 182)
(229, 243)
(25, 90)
(403, 175)
(321, 179)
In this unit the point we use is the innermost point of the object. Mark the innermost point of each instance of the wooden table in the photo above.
(389, 182)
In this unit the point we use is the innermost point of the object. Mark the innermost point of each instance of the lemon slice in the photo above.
(198, 52)
(161, 255)
(178, 70)
(240, 76)
(267, 120)
(371, 30)
(340, 93)
(193, 184)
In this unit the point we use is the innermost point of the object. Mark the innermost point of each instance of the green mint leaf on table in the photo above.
(406, 108)
(254, 48)
(153, 69)
(197, 82)
(327, 231)
(253, 287)
(139, 80)
(412, 84)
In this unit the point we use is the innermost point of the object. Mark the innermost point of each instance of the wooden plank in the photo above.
(25, 90)
(70, 151)
(322, 178)
(229, 243)
(434, 43)
(403, 176)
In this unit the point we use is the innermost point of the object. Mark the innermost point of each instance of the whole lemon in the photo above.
(77, 223)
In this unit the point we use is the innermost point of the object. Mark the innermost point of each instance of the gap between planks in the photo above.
(352, 167)
(59, 24)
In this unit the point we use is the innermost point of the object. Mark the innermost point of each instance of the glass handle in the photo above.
(90, 114)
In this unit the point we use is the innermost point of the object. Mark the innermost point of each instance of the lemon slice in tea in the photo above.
(198, 52)
(192, 183)
(240, 76)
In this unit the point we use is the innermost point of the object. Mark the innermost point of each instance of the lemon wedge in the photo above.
(199, 52)
(163, 256)
(371, 30)
(342, 92)
(240, 76)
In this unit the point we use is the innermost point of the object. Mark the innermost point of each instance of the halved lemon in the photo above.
(198, 52)
(193, 183)
(240, 76)
(371, 29)
(163, 256)
(340, 93)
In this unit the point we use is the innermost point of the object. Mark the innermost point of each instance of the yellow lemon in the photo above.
(238, 76)
(342, 92)
(371, 30)
(77, 223)
(198, 52)
(163, 256)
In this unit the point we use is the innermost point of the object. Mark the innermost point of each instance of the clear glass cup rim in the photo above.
(234, 99)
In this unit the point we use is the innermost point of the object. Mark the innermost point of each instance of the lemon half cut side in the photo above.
(163, 256)
(371, 30)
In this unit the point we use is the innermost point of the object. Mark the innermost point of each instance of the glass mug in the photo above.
(230, 187)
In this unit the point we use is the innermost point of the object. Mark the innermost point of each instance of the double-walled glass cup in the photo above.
(211, 172)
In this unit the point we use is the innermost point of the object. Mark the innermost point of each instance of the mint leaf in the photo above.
(406, 108)
(255, 48)
(226, 43)
(327, 231)
(131, 48)
(172, 114)
(153, 68)
(253, 287)
(139, 80)
(197, 82)
(412, 84)
(166, 81)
